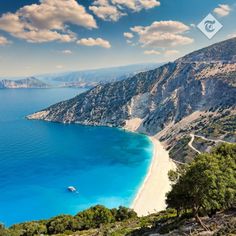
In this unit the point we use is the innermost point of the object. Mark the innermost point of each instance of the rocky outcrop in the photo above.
(199, 83)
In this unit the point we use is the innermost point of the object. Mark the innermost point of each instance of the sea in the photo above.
(40, 160)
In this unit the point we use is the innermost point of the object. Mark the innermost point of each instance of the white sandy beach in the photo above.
(151, 195)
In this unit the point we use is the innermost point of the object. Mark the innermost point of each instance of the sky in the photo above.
(52, 36)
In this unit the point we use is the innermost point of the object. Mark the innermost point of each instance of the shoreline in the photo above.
(150, 197)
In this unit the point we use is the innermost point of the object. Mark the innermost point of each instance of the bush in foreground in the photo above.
(91, 218)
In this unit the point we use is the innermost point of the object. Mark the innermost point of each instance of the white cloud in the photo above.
(163, 27)
(131, 43)
(137, 5)
(105, 11)
(171, 52)
(147, 4)
(128, 35)
(113, 10)
(47, 21)
(222, 10)
(4, 41)
(152, 52)
(67, 52)
(91, 42)
(163, 34)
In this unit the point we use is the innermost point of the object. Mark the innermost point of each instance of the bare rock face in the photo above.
(202, 81)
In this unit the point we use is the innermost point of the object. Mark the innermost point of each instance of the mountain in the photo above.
(194, 94)
(30, 82)
(91, 78)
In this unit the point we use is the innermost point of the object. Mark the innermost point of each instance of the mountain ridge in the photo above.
(221, 51)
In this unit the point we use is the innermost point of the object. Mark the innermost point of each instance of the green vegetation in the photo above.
(182, 152)
(94, 217)
(223, 126)
(229, 77)
(91, 218)
(205, 187)
(202, 145)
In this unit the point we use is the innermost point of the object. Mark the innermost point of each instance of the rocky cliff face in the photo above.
(169, 101)
(23, 83)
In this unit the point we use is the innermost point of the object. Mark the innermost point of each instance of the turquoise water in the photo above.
(39, 160)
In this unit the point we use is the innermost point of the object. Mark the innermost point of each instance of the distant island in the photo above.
(76, 79)
(28, 83)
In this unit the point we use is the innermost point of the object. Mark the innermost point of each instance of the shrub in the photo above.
(124, 213)
(62, 223)
(29, 229)
(94, 217)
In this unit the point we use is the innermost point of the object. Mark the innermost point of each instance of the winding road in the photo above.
(190, 144)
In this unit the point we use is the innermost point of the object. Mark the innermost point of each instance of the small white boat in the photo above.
(72, 189)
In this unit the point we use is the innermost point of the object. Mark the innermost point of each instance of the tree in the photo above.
(94, 217)
(227, 158)
(207, 184)
(3, 231)
(62, 223)
(28, 229)
(124, 213)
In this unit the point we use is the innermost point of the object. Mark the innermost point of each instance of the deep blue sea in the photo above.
(39, 160)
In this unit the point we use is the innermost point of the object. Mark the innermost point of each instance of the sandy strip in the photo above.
(151, 195)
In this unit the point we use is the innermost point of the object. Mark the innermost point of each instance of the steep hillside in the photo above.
(196, 93)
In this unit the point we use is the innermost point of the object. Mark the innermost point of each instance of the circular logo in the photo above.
(210, 26)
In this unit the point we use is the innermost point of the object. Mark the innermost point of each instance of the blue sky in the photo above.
(47, 36)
